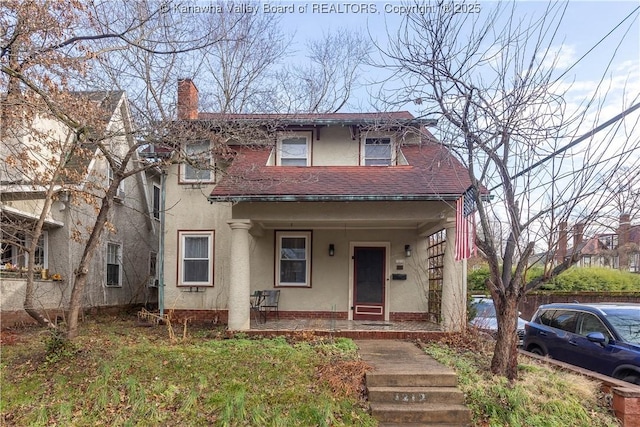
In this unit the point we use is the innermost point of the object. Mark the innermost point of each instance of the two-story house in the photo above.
(123, 270)
(350, 215)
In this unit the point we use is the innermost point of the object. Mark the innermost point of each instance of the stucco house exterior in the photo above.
(349, 215)
(124, 269)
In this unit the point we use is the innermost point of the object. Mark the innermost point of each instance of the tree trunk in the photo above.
(80, 275)
(505, 354)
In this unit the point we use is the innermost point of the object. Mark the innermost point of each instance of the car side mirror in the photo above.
(598, 338)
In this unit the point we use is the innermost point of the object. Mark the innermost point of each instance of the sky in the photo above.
(598, 48)
(585, 25)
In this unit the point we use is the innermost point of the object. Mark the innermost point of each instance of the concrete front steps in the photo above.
(411, 389)
(429, 398)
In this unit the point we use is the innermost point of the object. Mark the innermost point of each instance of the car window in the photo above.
(566, 320)
(546, 317)
(591, 323)
(485, 309)
(626, 321)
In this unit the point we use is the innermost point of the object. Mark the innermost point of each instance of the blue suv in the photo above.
(602, 337)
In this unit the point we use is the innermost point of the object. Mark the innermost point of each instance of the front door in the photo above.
(369, 281)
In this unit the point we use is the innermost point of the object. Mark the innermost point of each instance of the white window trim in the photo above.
(211, 170)
(210, 234)
(307, 236)
(106, 264)
(392, 143)
(288, 135)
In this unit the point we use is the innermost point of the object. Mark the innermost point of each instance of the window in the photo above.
(198, 167)
(114, 264)
(13, 250)
(293, 150)
(377, 152)
(195, 267)
(111, 175)
(156, 202)
(591, 323)
(565, 320)
(293, 258)
(153, 269)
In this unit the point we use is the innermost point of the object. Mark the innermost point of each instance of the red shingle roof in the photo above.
(432, 174)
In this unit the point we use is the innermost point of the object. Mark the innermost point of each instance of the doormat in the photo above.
(377, 324)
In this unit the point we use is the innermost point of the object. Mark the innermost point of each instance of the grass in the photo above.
(120, 374)
(541, 397)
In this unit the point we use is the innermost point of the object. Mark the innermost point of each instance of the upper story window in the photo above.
(293, 150)
(377, 152)
(111, 176)
(198, 165)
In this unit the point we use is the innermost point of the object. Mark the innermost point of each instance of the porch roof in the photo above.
(432, 173)
(13, 212)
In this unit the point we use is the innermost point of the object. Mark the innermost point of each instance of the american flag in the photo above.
(465, 224)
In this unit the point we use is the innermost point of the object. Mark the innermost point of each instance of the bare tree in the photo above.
(325, 83)
(492, 77)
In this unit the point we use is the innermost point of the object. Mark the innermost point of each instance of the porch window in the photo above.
(378, 152)
(293, 258)
(114, 264)
(13, 250)
(198, 167)
(294, 150)
(195, 267)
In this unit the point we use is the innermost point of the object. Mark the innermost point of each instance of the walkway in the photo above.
(409, 388)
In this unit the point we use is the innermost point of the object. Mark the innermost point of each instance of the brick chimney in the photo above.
(578, 232)
(623, 240)
(187, 100)
(561, 253)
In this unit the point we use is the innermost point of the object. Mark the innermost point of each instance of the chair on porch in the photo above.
(256, 300)
(270, 303)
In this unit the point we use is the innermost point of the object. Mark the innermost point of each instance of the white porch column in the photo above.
(454, 287)
(240, 277)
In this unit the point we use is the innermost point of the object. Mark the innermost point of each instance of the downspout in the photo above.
(163, 191)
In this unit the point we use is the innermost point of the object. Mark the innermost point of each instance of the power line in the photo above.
(596, 45)
(574, 142)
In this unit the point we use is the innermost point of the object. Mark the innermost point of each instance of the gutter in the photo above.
(335, 198)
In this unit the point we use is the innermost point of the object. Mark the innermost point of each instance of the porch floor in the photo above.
(357, 329)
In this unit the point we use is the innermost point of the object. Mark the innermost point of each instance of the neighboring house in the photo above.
(124, 268)
(619, 250)
(349, 215)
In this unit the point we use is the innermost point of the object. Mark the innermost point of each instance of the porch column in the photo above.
(454, 287)
(240, 277)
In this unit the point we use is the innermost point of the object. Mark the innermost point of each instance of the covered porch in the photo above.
(351, 269)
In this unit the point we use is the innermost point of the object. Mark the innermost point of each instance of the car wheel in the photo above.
(538, 351)
(632, 378)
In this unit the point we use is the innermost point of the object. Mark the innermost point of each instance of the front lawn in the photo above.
(121, 374)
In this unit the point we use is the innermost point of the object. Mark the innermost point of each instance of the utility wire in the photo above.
(596, 45)
(574, 142)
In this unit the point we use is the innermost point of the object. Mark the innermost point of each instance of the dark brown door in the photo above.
(369, 280)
